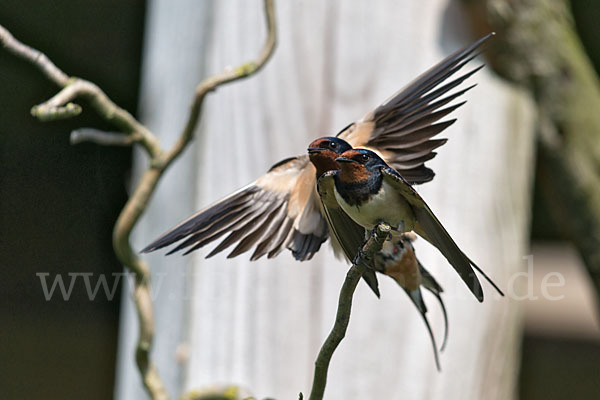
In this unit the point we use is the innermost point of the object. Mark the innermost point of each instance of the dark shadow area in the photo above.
(555, 368)
(59, 202)
(587, 15)
(558, 369)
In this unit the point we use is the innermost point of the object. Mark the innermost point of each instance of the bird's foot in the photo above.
(359, 257)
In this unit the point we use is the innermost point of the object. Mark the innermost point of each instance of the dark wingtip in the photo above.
(487, 278)
(370, 278)
(478, 292)
(209, 255)
(445, 340)
(475, 286)
(483, 39)
(151, 247)
(462, 103)
(171, 252)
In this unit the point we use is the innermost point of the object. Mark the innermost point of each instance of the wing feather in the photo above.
(270, 233)
(411, 136)
(429, 227)
(275, 212)
(246, 230)
(391, 129)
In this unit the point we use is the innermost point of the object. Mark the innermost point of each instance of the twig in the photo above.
(372, 246)
(33, 56)
(58, 106)
(210, 84)
(100, 137)
(122, 119)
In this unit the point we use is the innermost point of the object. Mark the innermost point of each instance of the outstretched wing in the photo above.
(348, 234)
(430, 228)
(279, 210)
(401, 130)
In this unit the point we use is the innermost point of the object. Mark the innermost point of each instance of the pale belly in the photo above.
(386, 206)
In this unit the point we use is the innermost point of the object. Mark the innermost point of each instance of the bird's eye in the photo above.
(364, 157)
(333, 145)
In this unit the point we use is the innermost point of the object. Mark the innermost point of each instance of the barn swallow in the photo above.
(281, 209)
(370, 192)
(397, 257)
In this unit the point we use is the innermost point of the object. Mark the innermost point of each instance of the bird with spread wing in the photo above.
(281, 209)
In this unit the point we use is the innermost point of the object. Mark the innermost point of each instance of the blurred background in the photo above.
(59, 202)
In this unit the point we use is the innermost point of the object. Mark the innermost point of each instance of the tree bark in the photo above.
(261, 324)
(538, 48)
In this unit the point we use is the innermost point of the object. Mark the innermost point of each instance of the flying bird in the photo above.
(370, 192)
(281, 209)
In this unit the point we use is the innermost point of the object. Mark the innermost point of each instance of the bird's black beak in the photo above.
(344, 160)
(315, 150)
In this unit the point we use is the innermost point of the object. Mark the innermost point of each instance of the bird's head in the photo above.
(323, 152)
(358, 164)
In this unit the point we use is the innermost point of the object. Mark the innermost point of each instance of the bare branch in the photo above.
(58, 106)
(100, 137)
(33, 56)
(230, 75)
(61, 106)
(372, 246)
(44, 114)
(139, 201)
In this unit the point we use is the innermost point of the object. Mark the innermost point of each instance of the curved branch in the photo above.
(139, 200)
(372, 246)
(227, 76)
(35, 57)
(53, 113)
(100, 137)
(60, 106)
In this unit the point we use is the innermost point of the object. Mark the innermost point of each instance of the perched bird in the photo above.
(281, 209)
(397, 257)
(371, 192)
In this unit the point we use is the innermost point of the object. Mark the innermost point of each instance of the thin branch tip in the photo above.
(229, 75)
(371, 246)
